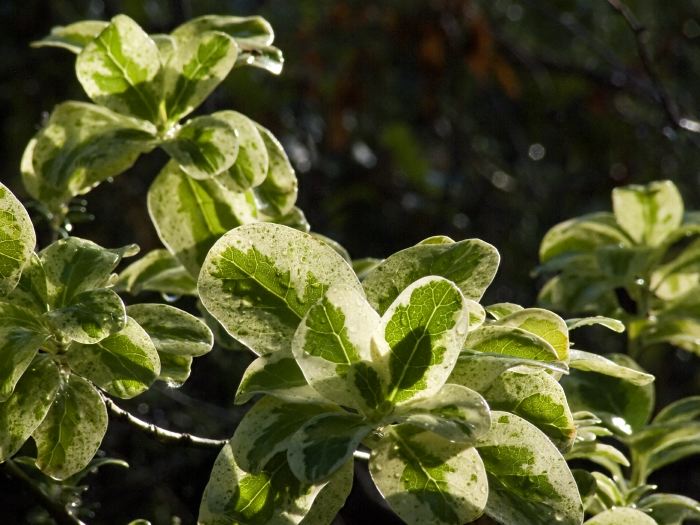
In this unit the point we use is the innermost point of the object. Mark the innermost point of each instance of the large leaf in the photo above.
(124, 364)
(543, 323)
(324, 444)
(17, 240)
(190, 215)
(204, 147)
(271, 497)
(31, 291)
(28, 405)
(428, 480)
(621, 516)
(72, 431)
(157, 271)
(334, 334)
(252, 161)
(529, 480)
(514, 342)
(259, 280)
(471, 264)
(589, 362)
(419, 338)
(648, 213)
(118, 68)
(73, 37)
(81, 146)
(276, 194)
(198, 63)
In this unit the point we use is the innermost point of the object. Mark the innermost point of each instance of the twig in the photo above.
(161, 434)
(57, 511)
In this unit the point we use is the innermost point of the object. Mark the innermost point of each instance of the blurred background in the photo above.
(404, 119)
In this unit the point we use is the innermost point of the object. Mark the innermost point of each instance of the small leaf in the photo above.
(499, 310)
(259, 280)
(157, 271)
(73, 37)
(72, 431)
(27, 407)
(471, 264)
(648, 213)
(621, 516)
(428, 480)
(670, 509)
(117, 69)
(17, 240)
(529, 481)
(506, 340)
(607, 322)
(324, 444)
(686, 409)
(204, 147)
(190, 215)
(543, 323)
(276, 194)
(332, 497)
(419, 338)
(30, 291)
(174, 369)
(247, 30)
(268, 58)
(124, 364)
(589, 362)
(604, 455)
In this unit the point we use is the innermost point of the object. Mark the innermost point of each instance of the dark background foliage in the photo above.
(404, 119)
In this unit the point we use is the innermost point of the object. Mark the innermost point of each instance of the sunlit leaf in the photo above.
(73, 37)
(17, 240)
(621, 516)
(157, 271)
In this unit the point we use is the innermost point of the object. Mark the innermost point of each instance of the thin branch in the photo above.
(161, 434)
(57, 511)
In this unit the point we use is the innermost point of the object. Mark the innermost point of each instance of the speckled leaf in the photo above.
(276, 194)
(172, 330)
(117, 69)
(21, 335)
(455, 412)
(270, 427)
(661, 444)
(90, 316)
(670, 509)
(271, 497)
(537, 397)
(621, 516)
(17, 240)
(419, 338)
(589, 362)
(428, 480)
(648, 213)
(157, 271)
(73, 37)
(324, 444)
(124, 364)
(204, 147)
(607, 322)
(529, 480)
(499, 310)
(471, 264)
(334, 334)
(72, 431)
(174, 369)
(543, 323)
(247, 30)
(81, 146)
(190, 215)
(506, 340)
(259, 280)
(332, 497)
(28, 405)
(30, 291)
(367, 383)
(198, 63)
(251, 165)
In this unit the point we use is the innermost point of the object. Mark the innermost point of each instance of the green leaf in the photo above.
(89, 316)
(17, 240)
(506, 340)
(604, 455)
(324, 444)
(661, 444)
(589, 362)
(543, 323)
(499, 310)
(124, 364)
(648, 213)
(259, 280)
(419, 338)
(537, 397)
(367, 384)
(81, 146)
(332, 497)
(270, 427)
(529, 481)
(246, 30)
(72, 431)
(607, 322)
(621, 516)
(686, 409)
(455, 413)
(157, 271)
(276, 194)
(190, 215)
(670, 509)
(252, 162)
(471, 264)
(428, 480)
(27, 407)
(204, 147)
(623, 406)
(172, 330)
(174, 369)
(268, 58)
(118, 69)
(73, 37)
(30, 291)
(670, 280)
(197, 65)
(271, 497)
(332, 335)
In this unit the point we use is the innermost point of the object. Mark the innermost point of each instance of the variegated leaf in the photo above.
(621, 516)
(251, 165)
(506, 340)
(157, 271)
(73, 37)
(276, 194)
(17, 240)
(589, 362)
(543, 323)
